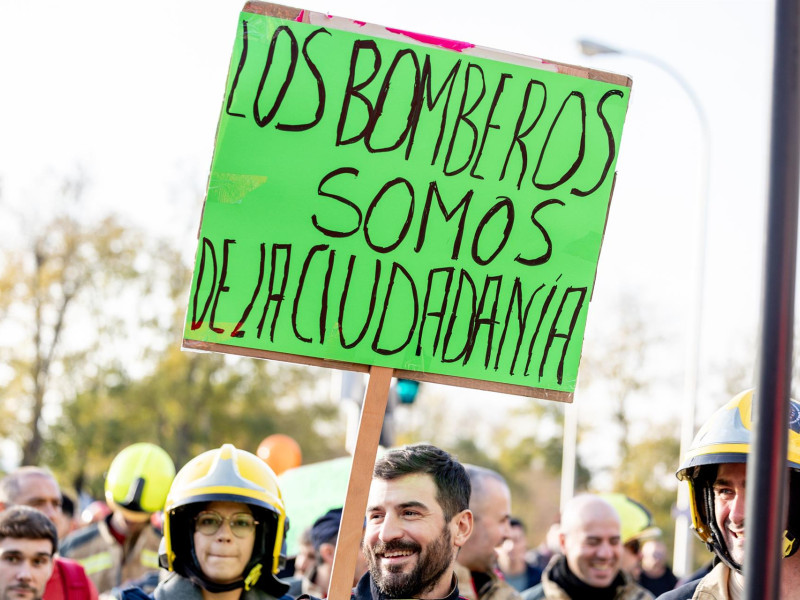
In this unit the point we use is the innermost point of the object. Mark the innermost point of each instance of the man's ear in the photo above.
(326, 552)
(463, 523)
(561, 539)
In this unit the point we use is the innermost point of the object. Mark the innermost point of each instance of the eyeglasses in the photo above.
(241, 524)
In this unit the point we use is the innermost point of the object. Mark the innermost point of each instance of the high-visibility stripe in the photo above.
(96, 562)
(720, 449)
(793, 458)
(149, 559)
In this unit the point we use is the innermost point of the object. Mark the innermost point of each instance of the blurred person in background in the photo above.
(511, 558)
(590, 563)
(540, 556)
(96, 511)
(636, 526)
(37, 488)
(297, 568)
(305, 558)
(476, 565)
(69, 520)
(324, 535)
(122, 548)
(656, 575)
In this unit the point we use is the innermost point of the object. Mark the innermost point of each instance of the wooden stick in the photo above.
(355, 505)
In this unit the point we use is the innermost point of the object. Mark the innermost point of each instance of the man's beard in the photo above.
(37, 594)
(431, 565)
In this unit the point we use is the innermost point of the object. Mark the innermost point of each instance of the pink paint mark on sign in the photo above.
(360, 23)
(433, 40)
(299, 18)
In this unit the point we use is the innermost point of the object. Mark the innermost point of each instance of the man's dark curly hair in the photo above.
(24, 522)
(452, 482)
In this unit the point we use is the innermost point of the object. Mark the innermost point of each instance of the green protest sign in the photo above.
(382, 198)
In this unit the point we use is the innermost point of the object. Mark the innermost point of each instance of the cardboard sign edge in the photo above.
(302, 15)
(293, 14)
(463, 382)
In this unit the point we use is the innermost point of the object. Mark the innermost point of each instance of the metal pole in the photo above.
(766, 467)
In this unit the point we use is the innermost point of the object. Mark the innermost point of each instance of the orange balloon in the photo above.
(280, 452)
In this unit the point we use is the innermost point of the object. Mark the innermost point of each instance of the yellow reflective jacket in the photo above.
(110, 564)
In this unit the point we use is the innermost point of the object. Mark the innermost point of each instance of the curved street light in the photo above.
(682, 557)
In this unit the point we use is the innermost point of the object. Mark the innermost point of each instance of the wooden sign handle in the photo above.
(355, 505)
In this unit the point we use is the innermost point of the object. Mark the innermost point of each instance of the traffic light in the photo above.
(406, 390)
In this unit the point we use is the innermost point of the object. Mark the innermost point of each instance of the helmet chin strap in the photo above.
(247, 583)
(791, 543)
(195, 574)
(255, 574)
(718, 546)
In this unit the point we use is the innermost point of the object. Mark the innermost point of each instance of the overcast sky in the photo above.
(131, 94)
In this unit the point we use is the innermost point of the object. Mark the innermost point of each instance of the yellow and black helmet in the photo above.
(138, 480)
(232, 475)
(725, 438)
(636, 522)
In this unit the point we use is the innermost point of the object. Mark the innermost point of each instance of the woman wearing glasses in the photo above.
(223, 530)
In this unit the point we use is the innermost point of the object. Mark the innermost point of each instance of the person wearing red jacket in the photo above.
(36, 487)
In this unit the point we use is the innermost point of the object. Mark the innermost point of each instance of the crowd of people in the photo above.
(434, 528)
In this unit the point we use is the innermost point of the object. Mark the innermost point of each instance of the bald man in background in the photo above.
(589, 565)
(490, 502)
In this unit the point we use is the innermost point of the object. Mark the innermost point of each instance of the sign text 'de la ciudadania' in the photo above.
(430, 207)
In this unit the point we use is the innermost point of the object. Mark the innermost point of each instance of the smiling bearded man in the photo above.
(433, 562)
(417, 519)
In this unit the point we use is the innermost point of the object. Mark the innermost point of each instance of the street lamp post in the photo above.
(682, 558)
